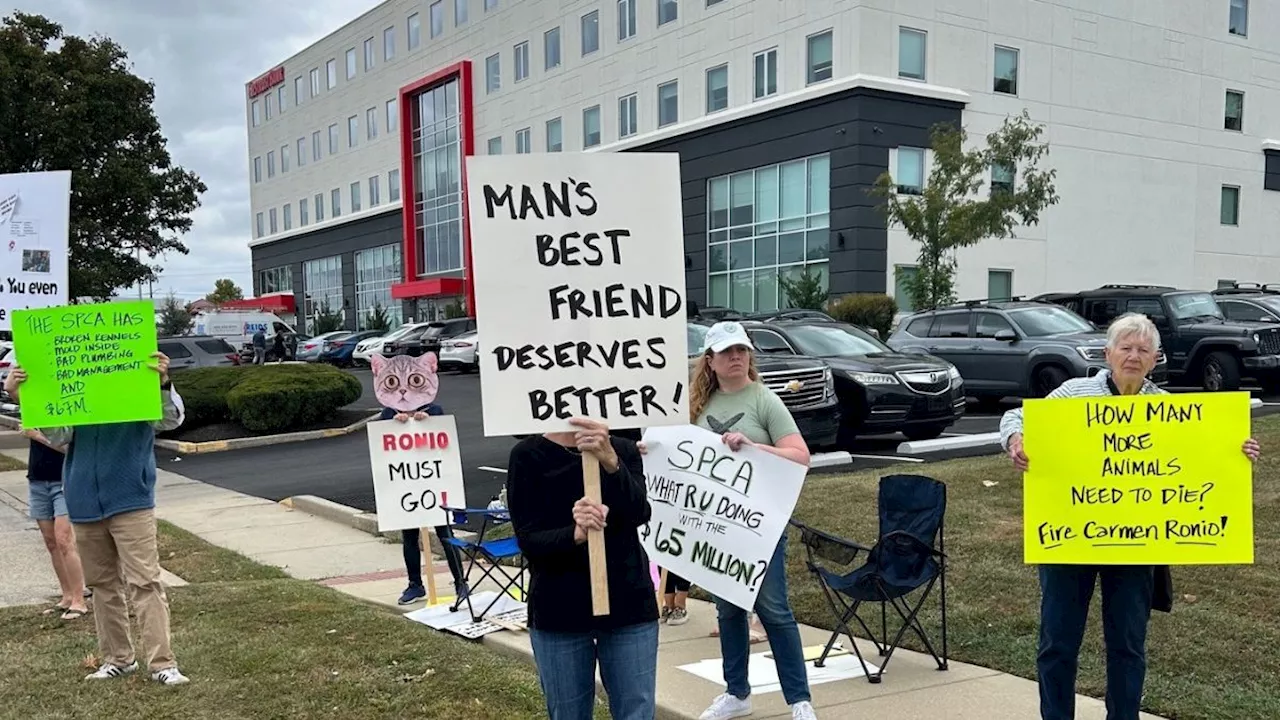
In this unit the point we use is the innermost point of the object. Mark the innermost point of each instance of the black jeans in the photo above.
(413, 555)
(675, 584)
(1066, 592)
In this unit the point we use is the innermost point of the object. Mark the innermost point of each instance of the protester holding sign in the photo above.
(727, 397)
(1129, 592)
(551, 517)
(48, 507)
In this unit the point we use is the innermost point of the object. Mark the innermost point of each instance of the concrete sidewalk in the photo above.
(25, 567)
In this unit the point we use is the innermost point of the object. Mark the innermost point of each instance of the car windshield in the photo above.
(400, 332)
(1049, 320)
(1188, 306)
(833, 340)
(697, 336)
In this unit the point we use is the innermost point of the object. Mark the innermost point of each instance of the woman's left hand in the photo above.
(419, 415)
(1252, 449)
(736, 441)
(590, 515)
(161, 366)
(592, 438)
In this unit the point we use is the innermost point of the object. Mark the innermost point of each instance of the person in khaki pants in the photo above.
(109, 480)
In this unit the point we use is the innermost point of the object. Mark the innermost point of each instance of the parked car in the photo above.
(461, 353)
(1249, 302)
(1010, 348)
(6, 360)
(291, 342)
(309, 350)
(805, 385)
(338, 350)
(1203, 347)
(374, 345)
(880, 390)
(428, 338)
(188, 351)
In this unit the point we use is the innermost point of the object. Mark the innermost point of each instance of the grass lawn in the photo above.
(1213, 657)
(259, 645)
(7, 463)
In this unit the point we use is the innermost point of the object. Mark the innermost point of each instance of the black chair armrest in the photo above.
(919, 545)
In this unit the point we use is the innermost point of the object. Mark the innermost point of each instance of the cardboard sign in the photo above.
(88, 364)
(717, 514)
(579, 281)
(1138, 480)
(417, 470)
(35, 216)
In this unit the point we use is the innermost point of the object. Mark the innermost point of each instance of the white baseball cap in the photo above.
(724, 335)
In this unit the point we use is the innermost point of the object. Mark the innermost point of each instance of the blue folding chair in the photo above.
(491, 552)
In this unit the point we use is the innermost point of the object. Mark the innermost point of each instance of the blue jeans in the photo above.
(1066, 591)
(780, 626)
(45, 500)
(628, 658)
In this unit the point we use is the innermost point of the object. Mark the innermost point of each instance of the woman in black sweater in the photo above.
(551, 518)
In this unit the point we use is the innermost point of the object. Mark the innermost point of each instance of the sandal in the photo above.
(74, 614)
(56, 609)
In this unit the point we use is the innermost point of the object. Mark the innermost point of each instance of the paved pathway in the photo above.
(24, 563)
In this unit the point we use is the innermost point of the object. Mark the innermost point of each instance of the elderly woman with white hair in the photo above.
(1129, 592)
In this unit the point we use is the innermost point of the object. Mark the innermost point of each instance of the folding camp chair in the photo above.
(904, 560)
(492, 552)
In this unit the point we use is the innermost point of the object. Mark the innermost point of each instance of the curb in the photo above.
(353, 517)
(830, 459)
(188, 448)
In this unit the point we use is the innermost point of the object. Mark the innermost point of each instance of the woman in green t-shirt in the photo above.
(727, 397)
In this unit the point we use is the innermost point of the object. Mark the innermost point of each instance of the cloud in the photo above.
(199, 54)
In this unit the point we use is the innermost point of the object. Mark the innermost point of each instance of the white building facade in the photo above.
(784, 112)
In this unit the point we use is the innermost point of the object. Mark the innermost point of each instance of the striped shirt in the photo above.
(1011, 423)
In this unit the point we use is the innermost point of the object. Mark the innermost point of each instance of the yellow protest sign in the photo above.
(1138, 480)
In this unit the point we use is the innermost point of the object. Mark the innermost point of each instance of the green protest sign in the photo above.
(87, 364)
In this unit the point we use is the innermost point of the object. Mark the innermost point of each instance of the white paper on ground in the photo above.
(459, 622)
(762, 674)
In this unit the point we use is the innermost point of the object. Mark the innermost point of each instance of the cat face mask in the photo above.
(405, 383)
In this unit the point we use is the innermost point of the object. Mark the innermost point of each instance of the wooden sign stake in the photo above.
(429, 573)
(595, 540)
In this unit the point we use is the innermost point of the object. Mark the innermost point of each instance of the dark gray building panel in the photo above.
(1271, 181)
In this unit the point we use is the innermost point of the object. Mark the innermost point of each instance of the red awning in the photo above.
(431, 287)
(266, 303)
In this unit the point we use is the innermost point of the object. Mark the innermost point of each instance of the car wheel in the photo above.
(1220, 372)
(1047, 379)
(989, 403)
(925, 432)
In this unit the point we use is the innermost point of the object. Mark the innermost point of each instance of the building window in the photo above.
(492, 73)
(377, 269)
(302, 151)
(1239, 19)
(288, 217)
(668, 11)
(281, 101)
(255, 112)
(303, 220)
(1000, 285)
(437, 168)
(524, 142)
(551, 48)
(266, 105)
(555, 135)
(259, 227)
(271, 164)
(628, 115)
(1235, 111)
(275, 280)
(495, 145)
(355, 197)
(284, 159)
(271, 214)
(368, 55)
(257, 169)
(763, 225)
(713, 2)
(388, 44)
(911, 53)
(414, 32)
(819, 58)
(315, 146)
(333, 139)
(393, 185)
(331, 74)
(1003, 178)
(322, 288)
(393, 115)
(909, 171)
(375, 191)
(902, 277)
(437, 18)
(766, 74)
(591, 127)
(371, 123)
(297, 90)
(459, 12)
(335, 203)
(490, 5)
(1006, 74)
(1230, 205)
(319, 207)
(668, 103)
(626, 19)
(590, 32)
(315, 82)
(717, 88)
(351, 63)
(521, 60)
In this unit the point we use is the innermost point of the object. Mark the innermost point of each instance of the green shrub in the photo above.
(867, 310)
(288, 397)
(204, 393)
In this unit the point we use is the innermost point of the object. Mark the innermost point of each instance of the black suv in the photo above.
(1010, 348)
(880, 390)
(1249, 302)
(427, 338)
(1203, 347)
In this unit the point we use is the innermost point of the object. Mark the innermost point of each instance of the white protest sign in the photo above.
(35, 227)
(579, 282)
(417, 470)
(717, 514)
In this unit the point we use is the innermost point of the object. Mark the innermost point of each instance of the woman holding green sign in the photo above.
(1129, 592)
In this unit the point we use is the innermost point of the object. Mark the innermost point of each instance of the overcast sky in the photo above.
(199, 54)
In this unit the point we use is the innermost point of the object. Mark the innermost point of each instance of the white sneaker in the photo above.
(169, 676)
(109, 671)
(726, 707)
(679, 616)
(803, 711)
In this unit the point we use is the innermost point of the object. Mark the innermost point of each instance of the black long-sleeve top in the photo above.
(544, 480)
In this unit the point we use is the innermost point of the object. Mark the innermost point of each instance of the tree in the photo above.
(377, 319)
(174, 318)
(454, 310)
(224, 290)
(950, 213)
(327, 320)
(805, 292)
(67, 103)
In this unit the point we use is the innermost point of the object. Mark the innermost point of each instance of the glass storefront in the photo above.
(322, 284)
(377, 269)
(274, 280)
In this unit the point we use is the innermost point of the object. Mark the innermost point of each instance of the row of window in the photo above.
(377, 269)
(999, 286)
(272, 222)
(390, 111)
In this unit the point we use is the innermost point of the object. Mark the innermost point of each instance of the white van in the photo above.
(238, 326)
